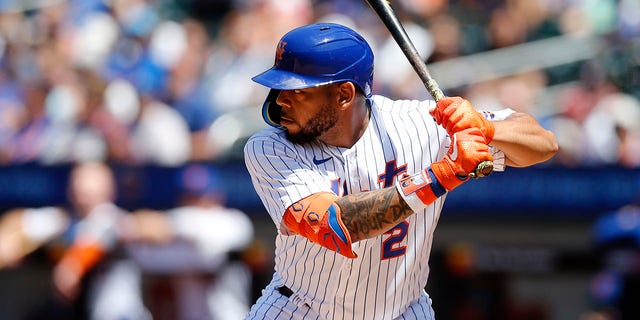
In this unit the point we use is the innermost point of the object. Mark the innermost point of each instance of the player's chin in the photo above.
(299, 137)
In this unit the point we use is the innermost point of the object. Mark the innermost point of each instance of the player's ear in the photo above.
(346, 93)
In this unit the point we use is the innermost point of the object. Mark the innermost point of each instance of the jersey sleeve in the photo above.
(498, 155)
(280, 173)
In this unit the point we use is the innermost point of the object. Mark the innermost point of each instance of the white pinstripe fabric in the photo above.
(274, 306)
(372, 286)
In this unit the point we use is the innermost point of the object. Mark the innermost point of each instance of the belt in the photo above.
(285, 291)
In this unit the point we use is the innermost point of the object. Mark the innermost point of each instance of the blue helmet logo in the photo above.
(314, 55)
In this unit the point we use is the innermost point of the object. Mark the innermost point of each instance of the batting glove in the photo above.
(456, 114)
(467, 150)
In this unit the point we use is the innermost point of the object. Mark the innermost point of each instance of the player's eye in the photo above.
(297, 91)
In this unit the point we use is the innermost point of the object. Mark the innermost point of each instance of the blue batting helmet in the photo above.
(315, 55)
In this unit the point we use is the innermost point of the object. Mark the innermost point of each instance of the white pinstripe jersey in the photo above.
(391, 269)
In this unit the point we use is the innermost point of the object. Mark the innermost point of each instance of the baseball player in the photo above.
(355, 182)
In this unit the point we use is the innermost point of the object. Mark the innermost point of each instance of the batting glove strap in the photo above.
(420, 190)
(444, 172)
(436, 187)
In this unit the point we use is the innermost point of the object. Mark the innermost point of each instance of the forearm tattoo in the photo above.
(369, 214)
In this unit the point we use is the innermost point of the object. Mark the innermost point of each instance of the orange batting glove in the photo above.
(456, 114)
(467, 150)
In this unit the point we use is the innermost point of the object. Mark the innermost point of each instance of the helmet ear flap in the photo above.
(271, 111)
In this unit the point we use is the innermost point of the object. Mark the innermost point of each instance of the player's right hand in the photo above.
(456, 114)
(468, 149)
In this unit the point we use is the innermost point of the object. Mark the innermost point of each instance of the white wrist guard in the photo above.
(420, 189)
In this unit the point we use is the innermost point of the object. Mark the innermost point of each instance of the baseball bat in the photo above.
(388, 16)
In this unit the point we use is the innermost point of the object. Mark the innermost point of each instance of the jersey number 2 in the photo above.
(391, 246)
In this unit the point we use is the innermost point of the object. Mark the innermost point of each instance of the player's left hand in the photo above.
(466, 152)
(456, 114)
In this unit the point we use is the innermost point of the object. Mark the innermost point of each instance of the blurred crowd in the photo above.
(167, 82)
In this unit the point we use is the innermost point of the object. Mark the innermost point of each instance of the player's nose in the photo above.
(283, 98)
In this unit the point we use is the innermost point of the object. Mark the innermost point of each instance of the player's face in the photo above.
(307, 113)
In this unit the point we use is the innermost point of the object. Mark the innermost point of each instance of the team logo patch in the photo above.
(454, 153)
(320, 161)
(280, 51)
(488, 115)
(414, 182)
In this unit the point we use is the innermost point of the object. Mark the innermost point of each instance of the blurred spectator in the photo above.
(597, 127)
(203, 261)
(29, 141)
(447, 38)
(615, 288)
(506, 27)
(159, 135)
(141, 129)
(189, 94)
(398, 78)
(83, 242)
(424, 9)
(611, 130)
(240, 50)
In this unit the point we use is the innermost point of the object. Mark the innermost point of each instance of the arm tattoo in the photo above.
(369, 214)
